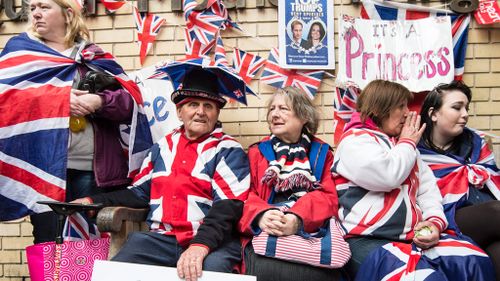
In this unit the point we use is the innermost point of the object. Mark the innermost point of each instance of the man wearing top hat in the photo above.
(194, 180)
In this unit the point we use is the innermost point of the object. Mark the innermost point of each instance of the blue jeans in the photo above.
(163, 250)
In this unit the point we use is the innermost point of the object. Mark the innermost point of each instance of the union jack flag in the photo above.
(452, 259)
(194, 48)
(247, 65)
(344, 104)
(203, 24)
(220, 53)
(36, 79)
(148, 27)
(455, 174)
(274, 75)
(389, 10)
(78, 227)
(113, 5)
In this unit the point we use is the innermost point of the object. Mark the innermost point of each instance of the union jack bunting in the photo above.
(452, 259)
(274, 75)
(113, 5)
(219, 8)
(247, 65)
(194, 48)
(455, 174)
(33, 147)
(148, 27)
(344, 104)
(203, 24)
(389, 10)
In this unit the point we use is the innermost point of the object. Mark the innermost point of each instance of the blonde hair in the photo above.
(75, 27)
(379, 98)
(303, 107)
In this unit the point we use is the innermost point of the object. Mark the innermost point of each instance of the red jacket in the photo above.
(314, 208)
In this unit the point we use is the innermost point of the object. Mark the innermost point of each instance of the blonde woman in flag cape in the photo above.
(53, 57)
(464, 166)
(293, 120)
(390, 204)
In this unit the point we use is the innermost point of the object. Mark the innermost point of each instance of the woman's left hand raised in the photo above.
(429, 240)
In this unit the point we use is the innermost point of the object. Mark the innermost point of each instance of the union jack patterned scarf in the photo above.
(291, 169)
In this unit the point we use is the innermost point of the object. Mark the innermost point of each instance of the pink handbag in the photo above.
(70, 261)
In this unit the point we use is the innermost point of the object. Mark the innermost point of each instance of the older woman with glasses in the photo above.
(468, 177)
(293, 121)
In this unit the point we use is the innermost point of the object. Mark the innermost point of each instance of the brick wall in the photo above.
(117, 35)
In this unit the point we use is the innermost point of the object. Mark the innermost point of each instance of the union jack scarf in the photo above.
(455, 175)
(388, 10)
(148, 26)
(453, 258)
(35, 82)
(273, 75)
(113, 5)
(247, 65)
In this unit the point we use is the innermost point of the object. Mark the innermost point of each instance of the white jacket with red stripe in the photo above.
(384, 188)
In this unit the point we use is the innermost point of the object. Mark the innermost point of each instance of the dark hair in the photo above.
(379, 98)
(434, 100)
(321, 31)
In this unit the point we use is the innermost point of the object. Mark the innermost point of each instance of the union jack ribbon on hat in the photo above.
(307, 80)
(203, 24)
(194, 47)
(219, 53)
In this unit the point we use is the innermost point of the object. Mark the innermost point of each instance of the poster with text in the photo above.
(306, 34)
(415, 53)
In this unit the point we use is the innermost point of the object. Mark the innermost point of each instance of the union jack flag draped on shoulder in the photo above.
(35, 84)
(306, 80)
(389, 10)
(452, 259)
(455, 174)
(113, 5)
(204, 24)
(148, 26)
(247, 65)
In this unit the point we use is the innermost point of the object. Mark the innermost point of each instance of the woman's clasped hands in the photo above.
(275, 222)
(83, 103)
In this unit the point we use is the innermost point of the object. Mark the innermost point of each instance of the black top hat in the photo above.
(198, 83)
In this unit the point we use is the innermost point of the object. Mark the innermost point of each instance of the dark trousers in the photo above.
(361, 247)
(78, 184)
(271, 269)
(163, 250)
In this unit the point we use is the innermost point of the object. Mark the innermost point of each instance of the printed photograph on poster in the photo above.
(306, 34)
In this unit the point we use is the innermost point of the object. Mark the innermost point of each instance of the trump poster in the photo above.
(415, 53)
(306, 34)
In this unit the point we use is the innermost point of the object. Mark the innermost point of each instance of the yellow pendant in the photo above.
(77, 124)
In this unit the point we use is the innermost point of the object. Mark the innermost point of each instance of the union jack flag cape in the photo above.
(455, 175)
(452, 259)
(389, 10)
(148, 26)
(35, 82)
(274, 75)
(247, 65)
